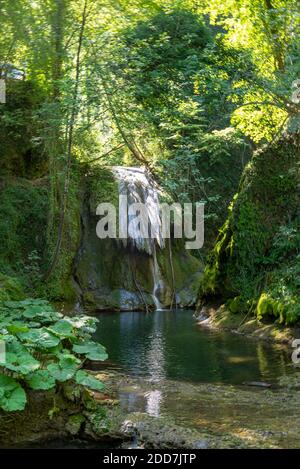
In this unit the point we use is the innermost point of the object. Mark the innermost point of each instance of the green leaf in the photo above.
(58, 373)
(33, 324)
(91, 350)
(62, 328)
(65, 369)
(84, 323)
(41, 379)
(13, 304)
(35, 311)
(34, 301)
(15, 327)
(12, 395)
(86, 379)
(18, 359)
(40, 337)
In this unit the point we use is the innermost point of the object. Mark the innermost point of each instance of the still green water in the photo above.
(171, 345)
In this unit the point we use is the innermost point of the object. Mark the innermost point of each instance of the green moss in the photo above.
(185, 265)
(10, 288)
(268, 306)
(102, 187)
(60, 285)
(234, 305)
(211, 283)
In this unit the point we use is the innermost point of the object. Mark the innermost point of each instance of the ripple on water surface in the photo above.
(171, 345)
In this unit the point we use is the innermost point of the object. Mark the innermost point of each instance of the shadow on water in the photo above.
(171, 345)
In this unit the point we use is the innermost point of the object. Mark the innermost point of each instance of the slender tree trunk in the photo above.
(58, 22)
(70, 133)
(278, 52)
(130, 144)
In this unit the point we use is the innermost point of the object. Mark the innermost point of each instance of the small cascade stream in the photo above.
(137, 186)
(158, 283)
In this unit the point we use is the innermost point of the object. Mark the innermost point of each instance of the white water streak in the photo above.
(137, 185)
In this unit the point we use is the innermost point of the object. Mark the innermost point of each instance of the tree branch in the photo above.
(121, 145)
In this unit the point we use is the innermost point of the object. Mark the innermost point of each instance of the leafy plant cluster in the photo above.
(281, 296)
(42, 349)
(23, 207)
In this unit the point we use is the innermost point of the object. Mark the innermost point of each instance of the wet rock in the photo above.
(153, 432)
(201, 444)
(260, 384)
(74, 424)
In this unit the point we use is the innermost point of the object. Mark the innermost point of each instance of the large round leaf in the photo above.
(34, 311)
(86, 379)
(84, 324)
(41, 379)
(12, 395)
(17, 327)
(91, 350)
(62, 329)
(41, 337)
(18, 359)
(65, 369)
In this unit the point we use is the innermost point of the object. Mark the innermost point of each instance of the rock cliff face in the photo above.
(131, 274)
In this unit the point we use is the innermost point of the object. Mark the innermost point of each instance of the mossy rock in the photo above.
(257, 248)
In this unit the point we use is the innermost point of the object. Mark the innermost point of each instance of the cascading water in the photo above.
(158, 284)
(137, 186)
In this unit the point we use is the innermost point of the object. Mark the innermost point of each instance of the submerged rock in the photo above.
(259, 384)
(161, 433)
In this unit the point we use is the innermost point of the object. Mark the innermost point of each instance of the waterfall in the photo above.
(139, 187)
(158, 284)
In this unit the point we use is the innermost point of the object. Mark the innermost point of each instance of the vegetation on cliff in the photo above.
(255, 261)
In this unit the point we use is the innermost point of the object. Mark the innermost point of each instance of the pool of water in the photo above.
(171, 345)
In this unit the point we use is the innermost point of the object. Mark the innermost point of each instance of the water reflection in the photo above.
(156, 361)
(169, 344)
(154, 401)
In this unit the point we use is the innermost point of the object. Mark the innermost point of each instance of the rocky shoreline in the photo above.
(219, 317)
(190, 416)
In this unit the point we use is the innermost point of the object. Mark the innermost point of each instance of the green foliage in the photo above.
(43, 348)
(256, 256)
(21, 153)
(23, 208)
(167, 41)
(91, 350)
(85, 379)
(12, 395)
(60, 286)
(269, 30)
(10, 288)
(173, 77)
(168, 80)
(41, 380)
(101, 184)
